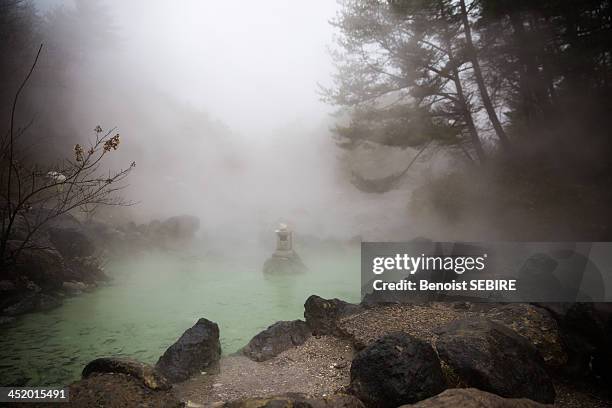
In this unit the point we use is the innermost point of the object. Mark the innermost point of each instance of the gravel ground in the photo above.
(417, 320)
(318, 367)
(321, 365)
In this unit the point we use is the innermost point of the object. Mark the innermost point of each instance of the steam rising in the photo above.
(217, 103)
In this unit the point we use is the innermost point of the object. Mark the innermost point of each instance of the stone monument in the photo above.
(284, 259)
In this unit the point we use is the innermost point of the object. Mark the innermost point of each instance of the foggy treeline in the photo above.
(519, 90)
(239, 177)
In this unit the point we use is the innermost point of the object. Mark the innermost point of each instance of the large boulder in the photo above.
(492, 357)
(295, 400)
(179, 227)
(277, 338)
(586, 330)
(473, 398)
(44, 267)
(134, 368)
(394, 370)
(118, 390)
(198, 349)
(322, 314)
(536, 325)
(71, 242)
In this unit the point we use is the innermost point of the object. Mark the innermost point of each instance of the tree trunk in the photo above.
(484, 93)
(467, 114)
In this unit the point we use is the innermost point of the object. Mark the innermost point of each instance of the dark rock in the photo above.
(277, 338)
(473, 398)
(586, 330)
(295, 400)
(118, 390)
(492, 357)
(7, 286)
(198, 349)
(394, 370)
(32, 302)
(74, 287)
(7, 321)
(48, 302)
(87, 270)
(27, 304)
(10, 293)
(322, 314)
(536, 325)
(538, 280)
(283, 264)
(180, 227)
(141, 371)
(71, 242)
(44, 267)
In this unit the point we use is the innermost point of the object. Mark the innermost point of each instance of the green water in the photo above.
(153, 298)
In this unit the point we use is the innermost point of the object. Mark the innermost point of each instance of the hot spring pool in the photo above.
(153, 298)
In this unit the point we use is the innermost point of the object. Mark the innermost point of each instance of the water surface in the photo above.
(153, 298)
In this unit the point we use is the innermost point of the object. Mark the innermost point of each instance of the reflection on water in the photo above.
(153, 299)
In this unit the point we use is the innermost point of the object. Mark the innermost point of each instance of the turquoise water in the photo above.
(153, 298)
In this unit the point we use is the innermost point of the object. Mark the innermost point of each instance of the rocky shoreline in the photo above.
(68, 259)
(381, 355)
(378, 355)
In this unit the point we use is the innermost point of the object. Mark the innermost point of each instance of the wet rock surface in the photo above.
(276, 339)
(322, 315)
(287, 263)
(492, 357)
(134, 368)
(115, 390)
(32, 302)
(474, 398)
(197, 350)
(394, 370)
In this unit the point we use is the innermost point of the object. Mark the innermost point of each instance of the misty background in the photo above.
(218, 104)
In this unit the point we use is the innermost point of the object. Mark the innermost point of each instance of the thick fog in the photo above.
(218, 104)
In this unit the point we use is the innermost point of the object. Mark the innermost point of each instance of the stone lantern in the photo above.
(284, 239)
(284, 260)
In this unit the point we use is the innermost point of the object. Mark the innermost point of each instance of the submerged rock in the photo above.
(277, 338)
(7, 321)
(322, 314)
(197, 350)
(285, 263)
(394, 370)
(134, 368)
(492, 357)
(473, 398)
(32, 302)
